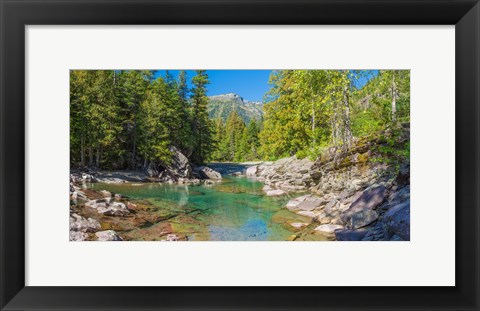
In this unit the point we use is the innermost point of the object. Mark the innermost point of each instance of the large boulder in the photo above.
(251, 171)
(362, 212)
(397, 220)
(360, 218)
(370, 199)
(208, 173)
(179, 165)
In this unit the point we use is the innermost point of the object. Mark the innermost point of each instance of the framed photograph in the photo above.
(239, 155)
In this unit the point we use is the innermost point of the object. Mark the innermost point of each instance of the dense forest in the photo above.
(126, 119)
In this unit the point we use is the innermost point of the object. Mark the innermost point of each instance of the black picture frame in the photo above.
(16, 14)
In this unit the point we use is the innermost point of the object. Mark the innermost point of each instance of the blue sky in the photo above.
(250, 84)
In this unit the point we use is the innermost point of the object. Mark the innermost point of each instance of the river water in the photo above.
(235, 209)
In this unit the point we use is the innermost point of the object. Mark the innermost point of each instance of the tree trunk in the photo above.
(90, 154)
(82, 151)
(347, 135)
(98, 156)
(394, 99)
(334, 127)
(313, 125)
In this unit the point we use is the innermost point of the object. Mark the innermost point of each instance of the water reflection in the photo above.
(234, 209)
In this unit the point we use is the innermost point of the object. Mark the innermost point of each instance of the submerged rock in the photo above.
(275, 192)
(304, 203)
(328, 228)
(298, 225)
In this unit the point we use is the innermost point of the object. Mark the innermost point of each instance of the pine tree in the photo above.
(201, 124)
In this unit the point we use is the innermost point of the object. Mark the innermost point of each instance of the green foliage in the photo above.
(308, 110)
(126, 119)
(395, 149)
(234, 141)
(202, 126)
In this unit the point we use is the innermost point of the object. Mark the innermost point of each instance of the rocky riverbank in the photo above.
(357, 195)
(98, 215)
(351, 195)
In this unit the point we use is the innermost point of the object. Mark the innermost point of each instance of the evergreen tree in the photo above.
(201, 124)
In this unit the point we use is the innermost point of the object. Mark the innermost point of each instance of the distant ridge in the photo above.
(220, 106)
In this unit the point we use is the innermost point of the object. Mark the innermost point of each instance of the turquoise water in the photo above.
(235, 209)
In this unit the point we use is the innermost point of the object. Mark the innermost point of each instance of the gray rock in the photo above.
(310, 203)
(361, 212)
(350, 235)
(360, 218)
(114, 209)
(179, 166)
(79, 223)
(100, 203)
(369, 199)
(397, 220)
(293, 203)
(208, 173)
(331, 206)
(107, 235)
(77, 236)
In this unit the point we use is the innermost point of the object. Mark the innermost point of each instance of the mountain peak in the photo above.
(220, 106)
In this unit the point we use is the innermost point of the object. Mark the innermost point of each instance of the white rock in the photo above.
(79, 223)
(77, 236)
(252, 171)
(307, 213)
(107, 235)
(298, 225)
(114, 209)
(276, 192)
(106, 194)
(328, 228)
